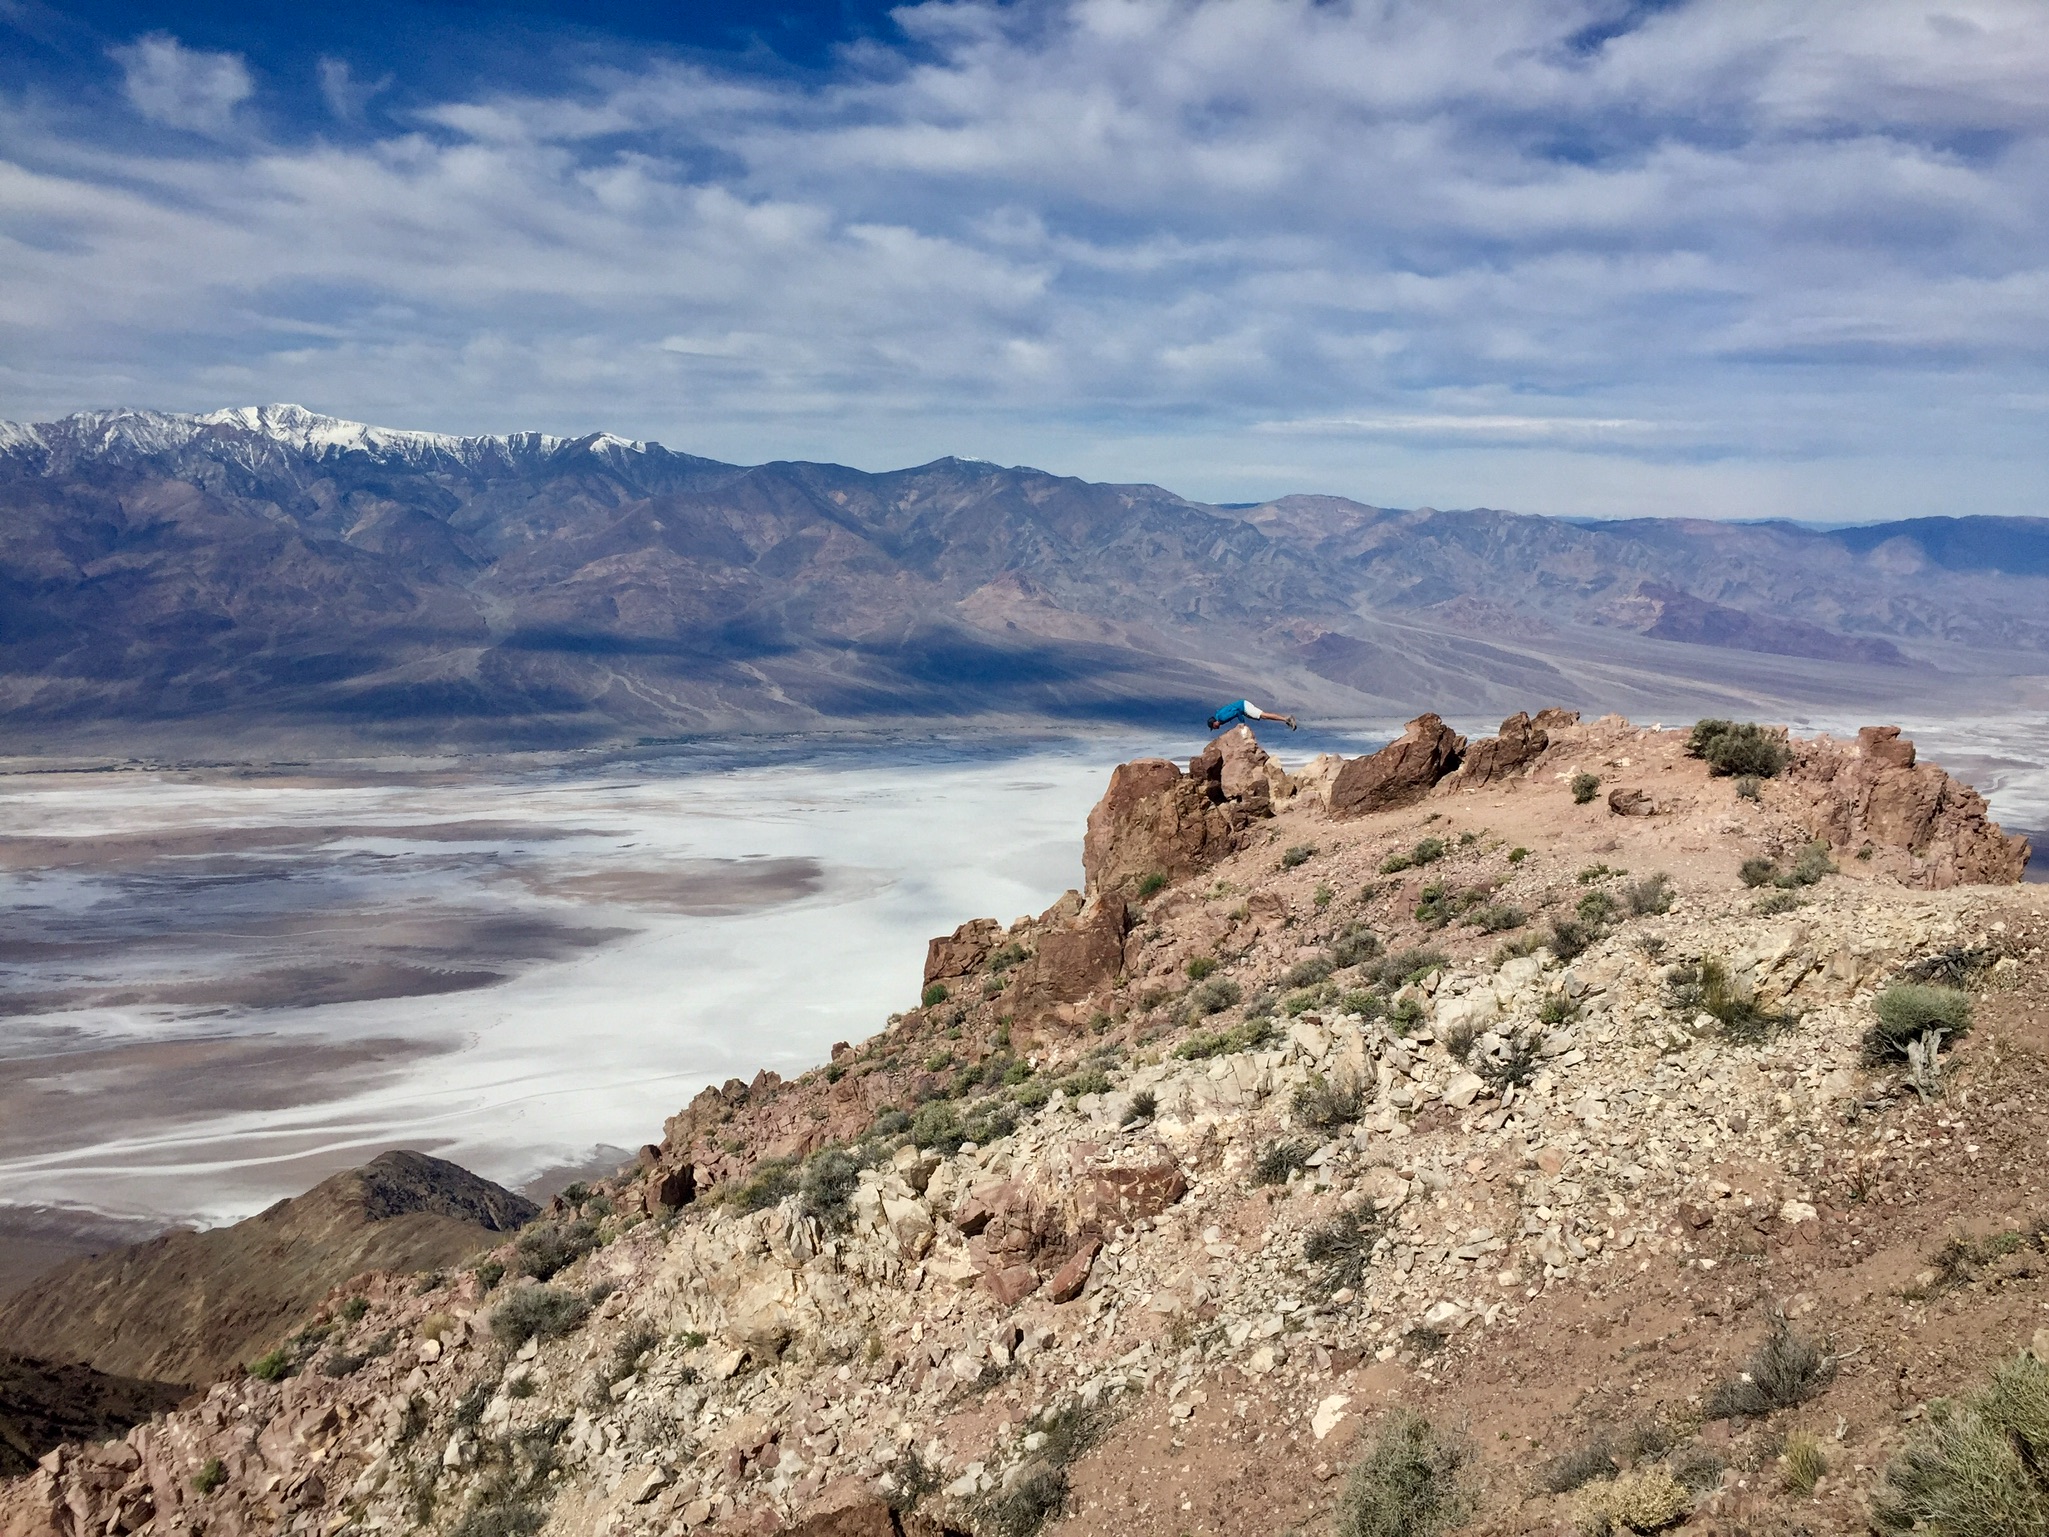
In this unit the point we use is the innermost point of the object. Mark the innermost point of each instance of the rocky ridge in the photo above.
(1301, 1110)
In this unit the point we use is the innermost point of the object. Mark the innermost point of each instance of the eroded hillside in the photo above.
(1441, 1083)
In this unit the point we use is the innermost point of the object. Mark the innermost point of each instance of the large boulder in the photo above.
(1493, 759)
(1155, 820)
(1079, 957)
(961, 953)
(1922, 827)
(1401, 773)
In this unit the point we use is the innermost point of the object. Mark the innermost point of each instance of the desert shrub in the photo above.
(1427, 851)
(1411, 965)
(545, 1312)
(889, 1122)
(1571, 939)
(489, 1273)
(1279, 1159)
(1035, 1496)
(1810, 867)
(1556, 1009)
(1320, 996)
(1908, 1010)
(272, 1366)
(1777, 903)
(1708, 988)
(1954, 967)
(934, 995)
(1595, 908)
(352, 1311)
(1518, 854)
(1643, 1501)
(826, 1189)
(1201, 967)
(548, 1247)
(1250, 1036)
(1802, 1463)
(1085, 1080)
(341, 1363)
(1404, 1014)
(1460, 1039)
(1412, 1482)
(1144, 1106)
(1499, 918)
(1367, 1005)
(1787, 1369)
(1152, 884)
(1324, 893)
(1300, 854)
(211, 1475)
(939, 1062)
(1975, 1467)
(493, 1519)
(1741, 748)
(1307, 972)
(1584, 787)
(1698, 1467)
(1757, 870)
(1007, 956)
(991, 1120)
(767, 1184)
(1579, 1466)
(1354, 947)
(1649, 897)
(937, 1125)
(1327, 1103)
(1514, 1068)
(1213, 997)
(1338, 1251)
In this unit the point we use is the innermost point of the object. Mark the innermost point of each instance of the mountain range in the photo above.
(266, 569)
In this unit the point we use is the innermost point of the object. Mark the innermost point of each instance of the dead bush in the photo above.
(1788, 1369)
(1413, 1482)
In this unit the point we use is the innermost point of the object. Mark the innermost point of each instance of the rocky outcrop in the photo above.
(1077, 957)
(1897, 817)
(1401, 773)
(188, 1307)
(1156, 821)
(961, 953)
(1493, 759)
(45, 1403)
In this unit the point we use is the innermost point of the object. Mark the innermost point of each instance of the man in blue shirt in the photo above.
(1245, 710)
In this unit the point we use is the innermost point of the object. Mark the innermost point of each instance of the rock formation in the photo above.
(1401, 773)
(1920, 826)
(1480, 1139)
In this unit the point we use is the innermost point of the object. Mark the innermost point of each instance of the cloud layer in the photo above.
(1730, 258)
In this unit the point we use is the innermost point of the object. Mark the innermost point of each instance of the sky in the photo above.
(1724, 258)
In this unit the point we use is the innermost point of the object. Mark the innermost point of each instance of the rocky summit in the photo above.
(1585, 1129)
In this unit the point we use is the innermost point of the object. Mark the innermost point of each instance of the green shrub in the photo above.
(1757, 870)
(1412, 1483)
(1810, 867)
(1518, 854)
(548, 1247)
(769, 1182)
(1584, 787)
(1250, 1036)
(1499, 918)
(1460, 1039)
(1201, 967)
(1580, 1465)
(211, 1475)
(1324, 894)
(1708, 988)
(1299, 855)
(826, 1190)
(1514, 1068)
(1596, 908)
(1213, 997)
(352, 1311)
(934, 995)
(1007, 956)
(890, 1122)
(1411, 965)
(1907, 1011)
(1426, 852)
(1975, 1467)
(1556, 1009)
(1307, 973)
(271, 1366)
(1787, 1370)
(1151, 885)
(489, 1273)
(1571, 939)
(1741, 748)
(1144, 1106)
(1279, 1159)
(1649, 897)
(1327, 1103)
(1404, 1015)
(1802, 1463)
(937, 1125)
(543, 1312)
(1338, 1251)
(1354, 947)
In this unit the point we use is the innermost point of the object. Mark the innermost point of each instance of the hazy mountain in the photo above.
(269, 567)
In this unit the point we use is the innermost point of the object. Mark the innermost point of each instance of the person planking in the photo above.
(1245, 710)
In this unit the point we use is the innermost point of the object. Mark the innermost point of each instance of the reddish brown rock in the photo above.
(1154, 820)
(671, 1187)
(1631, 803)
(1922, 827)
(1401, 773)
(1078, 958)
(1012, 1284)
(1113, 1198)
(1493, 759)
(962, 952)
(1068, 1281)
(1554, 719)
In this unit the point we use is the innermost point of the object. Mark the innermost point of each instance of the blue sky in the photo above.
(1756, 258)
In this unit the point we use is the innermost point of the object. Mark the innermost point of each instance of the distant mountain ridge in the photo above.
(270, 568)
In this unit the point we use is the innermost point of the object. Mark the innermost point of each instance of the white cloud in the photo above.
(345, 95)
(184, 87)
(1742, 230)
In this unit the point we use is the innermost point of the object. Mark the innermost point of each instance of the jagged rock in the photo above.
(1554, 719)
(1401, 773)
(1492, 759)
(1924, 828)
(962, 952)
(1154, 820)
(1078, 958)
(1112, 1198)
(1631, 803)
(1067, 1282)
(671, 1187)
(1235, 767)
